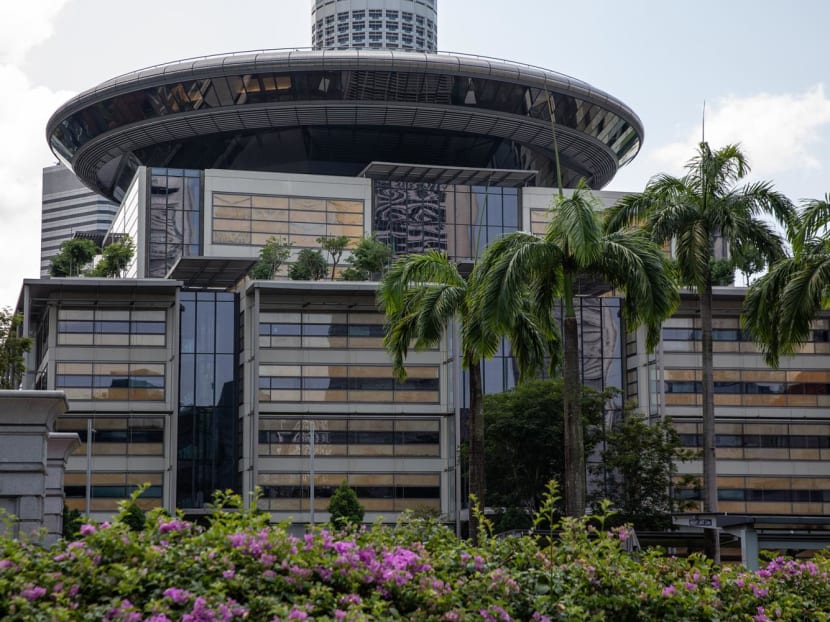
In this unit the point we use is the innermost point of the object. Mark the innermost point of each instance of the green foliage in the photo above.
(12, 349)
(115, 258)
(237, 568)
(73, 257)
(639, 465)
(344, 508)
(368, 260)
(334, 246)
(723, 272)
(310, 266)
(72, 521)
(272, 256)
(524, 432)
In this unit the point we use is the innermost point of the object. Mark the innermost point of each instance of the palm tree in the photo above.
(780, 306)
(575, 244)
(692, 212)
(421, 296)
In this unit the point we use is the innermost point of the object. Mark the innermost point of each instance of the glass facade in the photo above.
(346, 329)
(249, 220)
(208, 397)
(110, 488)
(750, 387)
(377, 492)
(126, 224)
(401, 437)
(462, 220)
(112, 327)
(122, 382)
(175, 220)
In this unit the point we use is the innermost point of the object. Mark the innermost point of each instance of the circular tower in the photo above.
(375, 24)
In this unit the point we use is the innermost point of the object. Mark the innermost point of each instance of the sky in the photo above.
(760, 66)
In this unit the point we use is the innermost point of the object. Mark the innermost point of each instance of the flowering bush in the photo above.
(239, 567)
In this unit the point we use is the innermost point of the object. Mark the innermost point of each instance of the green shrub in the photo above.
(240, 568)
(344, 507)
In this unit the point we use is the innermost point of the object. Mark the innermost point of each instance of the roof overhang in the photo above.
(211, 272)
(449, 175)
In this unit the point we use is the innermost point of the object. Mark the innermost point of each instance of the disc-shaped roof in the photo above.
(336, 111)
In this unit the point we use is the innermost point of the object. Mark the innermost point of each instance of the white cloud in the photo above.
(23, 25)
(779, 133)
(24, 110)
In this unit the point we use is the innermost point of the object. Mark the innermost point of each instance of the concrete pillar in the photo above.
(749, 548)
(60, 446)
(26, 419)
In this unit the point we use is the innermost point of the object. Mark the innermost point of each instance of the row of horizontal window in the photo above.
(343, 437)
(115, 327)
(729, 334)
(111, 381)
(763, 495)
(343, 16)
(361, 383)
(750, 388)
(321, 330)
(110, 492)
(363, 492)
(762, 441)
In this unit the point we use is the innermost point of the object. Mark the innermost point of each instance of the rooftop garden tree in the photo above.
(334, 246)
(73, 258)
(272, 256)
(115, 257)
(367, 261)
(310, 265)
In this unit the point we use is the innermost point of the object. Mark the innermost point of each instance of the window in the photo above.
(111, 381)
(350, 437)
(356, 15)
(347, 383)
(375, 14)
(250, 220)
(112, 327)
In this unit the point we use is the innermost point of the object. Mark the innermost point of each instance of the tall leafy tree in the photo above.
(575, 244)
(521, 427)
(73, 257)
(422, 296)
(638, 470)
(12, 349)
(781, 305)
(692, 212)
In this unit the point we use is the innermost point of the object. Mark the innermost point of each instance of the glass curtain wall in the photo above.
(175, 218)
(207, 432)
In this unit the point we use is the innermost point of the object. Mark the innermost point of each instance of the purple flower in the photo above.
(33, 592)
(228, 574)
(668, 590)
(177, 595)
(87, 529)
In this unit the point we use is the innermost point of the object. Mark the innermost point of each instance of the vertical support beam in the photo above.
(749, 548)
(311, 468)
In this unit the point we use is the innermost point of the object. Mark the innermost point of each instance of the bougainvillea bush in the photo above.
(240, 568)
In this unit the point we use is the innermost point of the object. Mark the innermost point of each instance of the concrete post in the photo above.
(61, 445)
(26, 419)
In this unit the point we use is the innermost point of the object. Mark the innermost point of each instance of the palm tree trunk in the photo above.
(710, 473)
(476, 454)
(575, 485)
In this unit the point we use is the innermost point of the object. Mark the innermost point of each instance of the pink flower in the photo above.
(176, 594)
(87, 529)
(33, 592)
